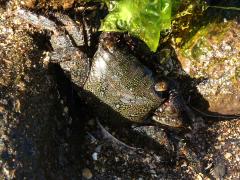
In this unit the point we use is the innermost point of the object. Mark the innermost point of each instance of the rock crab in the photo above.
(114, 76)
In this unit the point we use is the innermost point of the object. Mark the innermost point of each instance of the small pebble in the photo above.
(86, 173)
(17, 105)
(238, 158)
(184, 164)
(103, 170)
(65, 109)
(91, 122)
(6, 172)
(116, 159)
(2, 109)
(29, 3)
(22, 86)
(199, 176)
(46, 62)
(227, 155)
(153, 172)
(219, 138)
(218, 147)
(95, 156)
(68, 4)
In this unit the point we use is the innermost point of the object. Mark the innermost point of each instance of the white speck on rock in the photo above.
(95, 156)
(65, 109)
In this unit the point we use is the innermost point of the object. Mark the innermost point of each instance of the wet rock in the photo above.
(32, 140)
(224, 157)
(213, 54)
(29, 107)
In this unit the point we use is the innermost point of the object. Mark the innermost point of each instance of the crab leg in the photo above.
(107, 136)
(36, 20)
(70, 58)
(175, 111)
(76, 32)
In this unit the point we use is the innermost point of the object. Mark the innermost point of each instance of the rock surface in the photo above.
(213, 54)
(40, 140)
(30, 108)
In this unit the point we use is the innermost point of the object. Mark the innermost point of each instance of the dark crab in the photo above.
(114, 76)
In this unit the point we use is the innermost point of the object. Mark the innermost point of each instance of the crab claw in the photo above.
(175, 112)
(167, 115)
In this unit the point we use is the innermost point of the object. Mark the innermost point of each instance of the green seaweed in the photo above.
(144, 19)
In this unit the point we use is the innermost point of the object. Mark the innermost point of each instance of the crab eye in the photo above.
(161, 86)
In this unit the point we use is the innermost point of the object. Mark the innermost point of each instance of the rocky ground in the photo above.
(47, 132)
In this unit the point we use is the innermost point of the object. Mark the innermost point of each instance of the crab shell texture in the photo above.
(121, 82)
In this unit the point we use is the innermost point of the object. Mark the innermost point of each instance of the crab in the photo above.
(114, 80)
